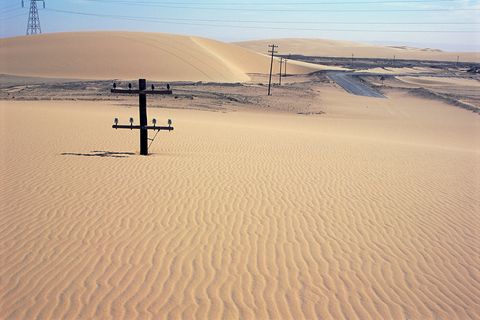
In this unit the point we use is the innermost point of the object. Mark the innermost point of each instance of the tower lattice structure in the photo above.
(33, 25)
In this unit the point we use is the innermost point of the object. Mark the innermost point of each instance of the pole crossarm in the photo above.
(135, 91)
(131, 127)
(142, 93)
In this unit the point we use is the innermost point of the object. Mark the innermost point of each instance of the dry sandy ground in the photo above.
(130, 55)
(400, 71)
(443, 82)
(465, 90)
(334, 48)
(369, 211)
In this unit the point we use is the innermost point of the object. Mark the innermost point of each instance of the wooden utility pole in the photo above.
(352, 58)
(458, 60)
(280, 74)
(382, 78)
(142, 102)
(142, 107)
(272, 51)
(289, 55)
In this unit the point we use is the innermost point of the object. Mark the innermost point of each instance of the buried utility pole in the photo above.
(142, 107)
(280, 74)
(272, 51)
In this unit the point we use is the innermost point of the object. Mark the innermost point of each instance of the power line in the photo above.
(273, 22)
(153, 3)
(14, 16)
(10, 11)
(12, 5)
(136, 4)
(168, 21)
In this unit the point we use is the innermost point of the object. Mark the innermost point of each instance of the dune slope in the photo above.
(333, 48)
(130, 55)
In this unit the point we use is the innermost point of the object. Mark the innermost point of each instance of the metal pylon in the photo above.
(33, 26)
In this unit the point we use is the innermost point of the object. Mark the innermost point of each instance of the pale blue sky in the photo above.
(375, 21)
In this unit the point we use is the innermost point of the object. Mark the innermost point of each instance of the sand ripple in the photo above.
(234, 216)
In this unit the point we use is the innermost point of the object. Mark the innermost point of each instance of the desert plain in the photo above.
(311, 203)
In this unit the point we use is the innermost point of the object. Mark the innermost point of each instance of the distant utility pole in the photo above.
(289, 57)
(394, 57)
(280, 74)
(458, 60)
(33, 24)
(272, 51)
(352, 58)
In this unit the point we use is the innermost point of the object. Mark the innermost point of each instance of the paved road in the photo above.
(353, 85)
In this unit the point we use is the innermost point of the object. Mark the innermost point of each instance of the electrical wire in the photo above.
(268, 3)
(9, 11)
(198, 6)
(175, 22)
(14, 16)
(12, 5)
(303, 10)
(151, 140)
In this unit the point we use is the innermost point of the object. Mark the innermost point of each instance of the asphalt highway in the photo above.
(353, 85)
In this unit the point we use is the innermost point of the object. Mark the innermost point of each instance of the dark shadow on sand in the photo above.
(102, 154)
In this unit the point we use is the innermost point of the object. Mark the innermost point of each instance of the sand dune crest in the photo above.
(130, 55)
(333, 48)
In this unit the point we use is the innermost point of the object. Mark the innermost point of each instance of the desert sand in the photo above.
(442, 82)
(366, 211)
(129, 55)
(459, 90)
(312, 203)
(334, 48)
(399, 71)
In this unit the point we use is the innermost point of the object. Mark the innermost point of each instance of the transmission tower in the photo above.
(33, 24)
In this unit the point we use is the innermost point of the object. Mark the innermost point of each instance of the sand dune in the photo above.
(129, 55)
(367, 212)
(332, 48)
(442, 82)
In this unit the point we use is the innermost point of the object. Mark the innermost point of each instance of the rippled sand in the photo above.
(370, 211)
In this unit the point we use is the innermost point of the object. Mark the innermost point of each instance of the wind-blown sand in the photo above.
(130, 55)
(443, 82)
(333, 48)
(367, 212)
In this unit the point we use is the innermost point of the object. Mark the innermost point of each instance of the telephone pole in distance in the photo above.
(272, 50)
(280, 74)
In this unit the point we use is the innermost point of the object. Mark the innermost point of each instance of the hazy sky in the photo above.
(375, 21)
